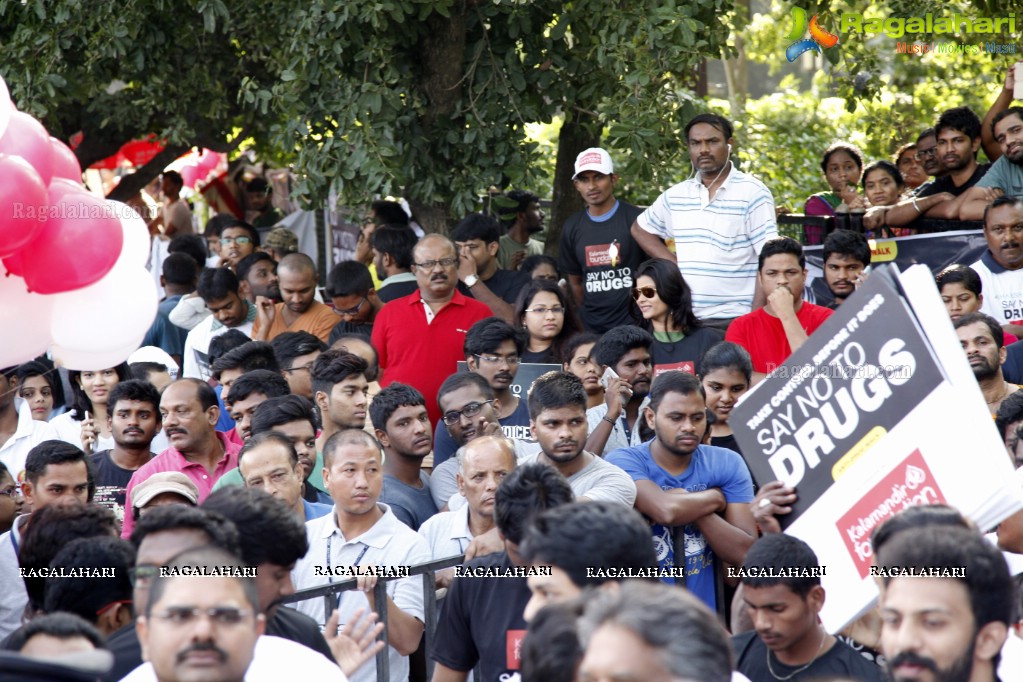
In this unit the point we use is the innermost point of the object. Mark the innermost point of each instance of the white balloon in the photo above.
(5, 107)
(135, 250)
(24, 321)
(87, 361)
(111, 314)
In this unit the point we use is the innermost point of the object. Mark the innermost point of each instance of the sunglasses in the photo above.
(645, 292)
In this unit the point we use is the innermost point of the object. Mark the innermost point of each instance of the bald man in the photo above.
(297, 278)
(419, 337)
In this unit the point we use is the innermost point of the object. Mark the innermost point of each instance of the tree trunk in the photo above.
(573, 138)
(130, 185)
(431, 217)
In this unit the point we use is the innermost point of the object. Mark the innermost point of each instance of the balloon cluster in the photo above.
(73, 278)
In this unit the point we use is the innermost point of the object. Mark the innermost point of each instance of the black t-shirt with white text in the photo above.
(838, 661)
(111, 482)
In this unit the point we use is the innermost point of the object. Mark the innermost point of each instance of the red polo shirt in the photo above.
(423, 354)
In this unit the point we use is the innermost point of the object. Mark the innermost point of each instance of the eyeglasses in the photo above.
(512, 360)
(240, 241)
(1002, 230)
(351, 311)
(470, 410)
(219, 615)
(307, 368)
(14, 492)
(922, 154)
(645, 292)
(431, 264)
(142, 575)
(557, 310)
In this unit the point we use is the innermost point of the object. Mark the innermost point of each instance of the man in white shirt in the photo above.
(218, 288)
(362, 533)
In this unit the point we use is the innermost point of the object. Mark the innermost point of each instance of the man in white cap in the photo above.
(597, 252)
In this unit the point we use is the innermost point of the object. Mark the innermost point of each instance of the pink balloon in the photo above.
(23, 204)
(13, 265)
(24, 322)
(65, 163)
(190, 175)
(77, 246)
(27, 138)
(60, 187)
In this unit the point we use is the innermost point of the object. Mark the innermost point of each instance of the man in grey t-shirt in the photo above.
(557, 412)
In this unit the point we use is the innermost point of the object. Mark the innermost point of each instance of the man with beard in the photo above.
(949, 628)
(218, 288)
(846, 257)
(789, 641)
(1005, 178)
(958, 139)
(402, 426)
(299, 311)
(682, 486)
(419, 337)
(134, 419)
(1001, 266)
(190, 413)
(477, 238)
(616, 423)
(774, 332)
(526, 219)
(493, 349)
(557, 411)
(257, 276)
(981, 338)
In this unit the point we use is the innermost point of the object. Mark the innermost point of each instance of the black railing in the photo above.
(428, 570)
(811, 230)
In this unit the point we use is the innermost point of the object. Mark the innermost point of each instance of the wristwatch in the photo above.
(471, 281)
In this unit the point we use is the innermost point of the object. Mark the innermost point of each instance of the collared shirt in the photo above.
(13, 597)
(717, 242)
(315, 510)
(28, 434)
(447, 533)
(172, 460)
(388, 543)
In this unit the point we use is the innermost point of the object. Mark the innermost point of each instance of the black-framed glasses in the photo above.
(218, 615)
(922, 154)
(351, 312)
(431, 264)
(470, 410)
(645, 292)
(512, 360)
(142, 575)
(240, 241)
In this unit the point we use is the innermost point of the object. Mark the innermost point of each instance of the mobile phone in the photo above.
(607, 376)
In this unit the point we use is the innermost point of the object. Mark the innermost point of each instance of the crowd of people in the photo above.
(273, 438)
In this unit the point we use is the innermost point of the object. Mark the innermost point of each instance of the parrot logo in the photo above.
(819, 38)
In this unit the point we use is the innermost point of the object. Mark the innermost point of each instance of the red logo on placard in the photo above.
(909, 484)
(684, 366)
(514, 649)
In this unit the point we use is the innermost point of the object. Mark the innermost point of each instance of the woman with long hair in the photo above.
(544, 312)
(575, 359)
(662, 303)
(726, 371)
(85, 423)
(39, 386)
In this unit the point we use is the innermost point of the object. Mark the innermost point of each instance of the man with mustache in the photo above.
(719, 221)
(1005, 178)
(257, 276)
(943, 629)
(1000, 266)
(846, 256)
(134, 417)
(493, 349)
(616, 423)
(189, 411)
(788, 641)
(981, 338)
(419, 337)
(402, 426)
(695, 496)
(557, 410)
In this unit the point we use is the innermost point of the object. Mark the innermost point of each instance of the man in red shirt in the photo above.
(420, 337)
(772, 333)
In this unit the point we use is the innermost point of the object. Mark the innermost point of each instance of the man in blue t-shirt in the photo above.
(695, 496)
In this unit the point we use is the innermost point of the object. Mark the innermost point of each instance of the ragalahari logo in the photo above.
(819, 38)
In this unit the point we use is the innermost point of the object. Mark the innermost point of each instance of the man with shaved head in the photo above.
(419, 337)
(297, 279)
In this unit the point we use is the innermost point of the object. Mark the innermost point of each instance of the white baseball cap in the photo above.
(593, 159)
